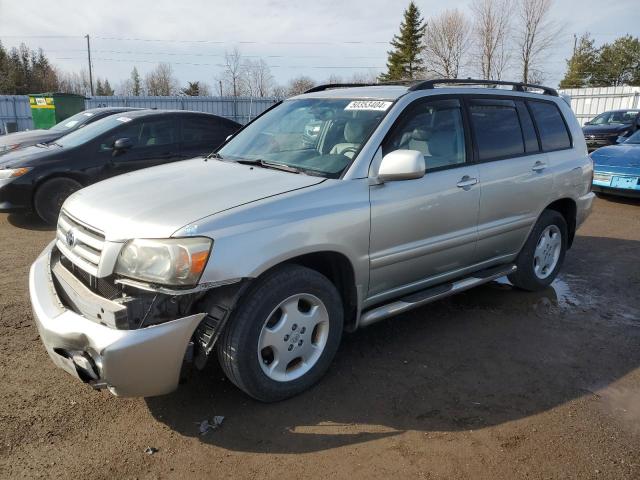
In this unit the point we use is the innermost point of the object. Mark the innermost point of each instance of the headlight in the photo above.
(174, 261)
(12, 172)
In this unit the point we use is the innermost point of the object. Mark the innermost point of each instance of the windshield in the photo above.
(319, 135)
(615, 118)
(635, 138)
(93, 130)
(72, 122)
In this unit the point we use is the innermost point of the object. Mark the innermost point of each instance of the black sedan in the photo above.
(13, 141)
(41, 177)
(606, 128)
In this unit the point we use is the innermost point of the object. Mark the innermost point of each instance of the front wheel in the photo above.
(284, 334)
(543, 253)
(50, 196)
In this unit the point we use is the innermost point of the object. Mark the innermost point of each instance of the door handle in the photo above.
(466, 182)
(539, 166)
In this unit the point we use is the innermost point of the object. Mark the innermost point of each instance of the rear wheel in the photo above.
(51, 195)
(542, 255)
(284, 334)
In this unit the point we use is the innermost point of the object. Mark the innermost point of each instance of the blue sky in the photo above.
(317, 39)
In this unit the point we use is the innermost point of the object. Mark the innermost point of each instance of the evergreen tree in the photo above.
(106, 88)
(99, 89)
(581, 64)
(405, 60)
(191, 90)
(136, 83)
(618, 63)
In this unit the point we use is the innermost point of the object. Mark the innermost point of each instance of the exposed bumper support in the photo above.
(143, 362)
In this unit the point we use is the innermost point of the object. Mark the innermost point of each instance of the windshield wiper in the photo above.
(275, 165)
(214, 155)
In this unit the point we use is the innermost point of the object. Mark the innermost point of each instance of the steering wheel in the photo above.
(352, 150)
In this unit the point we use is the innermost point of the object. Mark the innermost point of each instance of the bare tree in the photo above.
(299, 85)
(75, 82)
(447, 42)
(257, 78)
(232, 75)
(160, 81)
(534, 35)
(491, 30)
(279, 91)
(364, 77)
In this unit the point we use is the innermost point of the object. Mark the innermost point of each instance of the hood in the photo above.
(26, 139)
(29, 156)
(156, 202)
(623, 155)
(606, 129)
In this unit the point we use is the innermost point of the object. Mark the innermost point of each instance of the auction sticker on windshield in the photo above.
(368, 105)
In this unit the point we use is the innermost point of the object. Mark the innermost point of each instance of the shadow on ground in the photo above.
(29, 221)
(487, 356)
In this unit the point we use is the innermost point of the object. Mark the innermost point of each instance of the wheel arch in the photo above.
(44, 179)
(568, 209)
(338, 269)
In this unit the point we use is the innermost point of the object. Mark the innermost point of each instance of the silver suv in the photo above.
(331, 211)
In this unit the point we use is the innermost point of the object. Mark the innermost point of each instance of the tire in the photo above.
(50, 196)
(539, 264)
(260, 341)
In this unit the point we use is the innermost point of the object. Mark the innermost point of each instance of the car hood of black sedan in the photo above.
(28, 138)
(30, 156)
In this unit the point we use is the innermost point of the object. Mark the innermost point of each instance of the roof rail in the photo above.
(517, 86)
(328, 86)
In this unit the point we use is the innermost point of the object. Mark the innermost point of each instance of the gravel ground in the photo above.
(494, 383)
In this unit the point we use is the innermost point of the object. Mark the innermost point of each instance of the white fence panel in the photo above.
(589, 102)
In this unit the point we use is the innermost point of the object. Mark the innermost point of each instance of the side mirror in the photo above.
(122, 144)
(621, 139)
(401, 165)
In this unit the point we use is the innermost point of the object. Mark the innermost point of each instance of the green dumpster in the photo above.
(47, 109)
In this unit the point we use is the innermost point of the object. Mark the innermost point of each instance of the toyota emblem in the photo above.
(71, 238)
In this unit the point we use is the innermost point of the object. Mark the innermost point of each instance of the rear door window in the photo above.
(203, 132)
(496, 126)
(551, 126)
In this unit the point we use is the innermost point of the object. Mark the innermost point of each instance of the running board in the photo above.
(429, 295)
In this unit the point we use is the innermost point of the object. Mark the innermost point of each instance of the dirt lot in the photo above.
(494, 383)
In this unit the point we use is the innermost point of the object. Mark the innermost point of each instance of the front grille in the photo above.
(80, 243)
(105, 287)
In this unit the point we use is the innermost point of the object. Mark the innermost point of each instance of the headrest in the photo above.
(420, 134)
(354, 132)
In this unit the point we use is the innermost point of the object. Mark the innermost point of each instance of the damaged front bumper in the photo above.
(140, 362)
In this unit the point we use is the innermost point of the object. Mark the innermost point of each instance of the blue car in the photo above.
(616, 168)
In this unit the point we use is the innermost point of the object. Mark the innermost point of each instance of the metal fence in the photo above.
(15, 113)
(589, 102)
(240, 109)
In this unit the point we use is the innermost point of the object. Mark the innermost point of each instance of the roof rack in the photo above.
(328, 86)
(517, 86)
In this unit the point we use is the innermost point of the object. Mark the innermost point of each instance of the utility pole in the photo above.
(89, 57)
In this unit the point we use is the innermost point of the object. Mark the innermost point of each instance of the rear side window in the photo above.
(202, 132)
(496, 126)
(553, 131)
